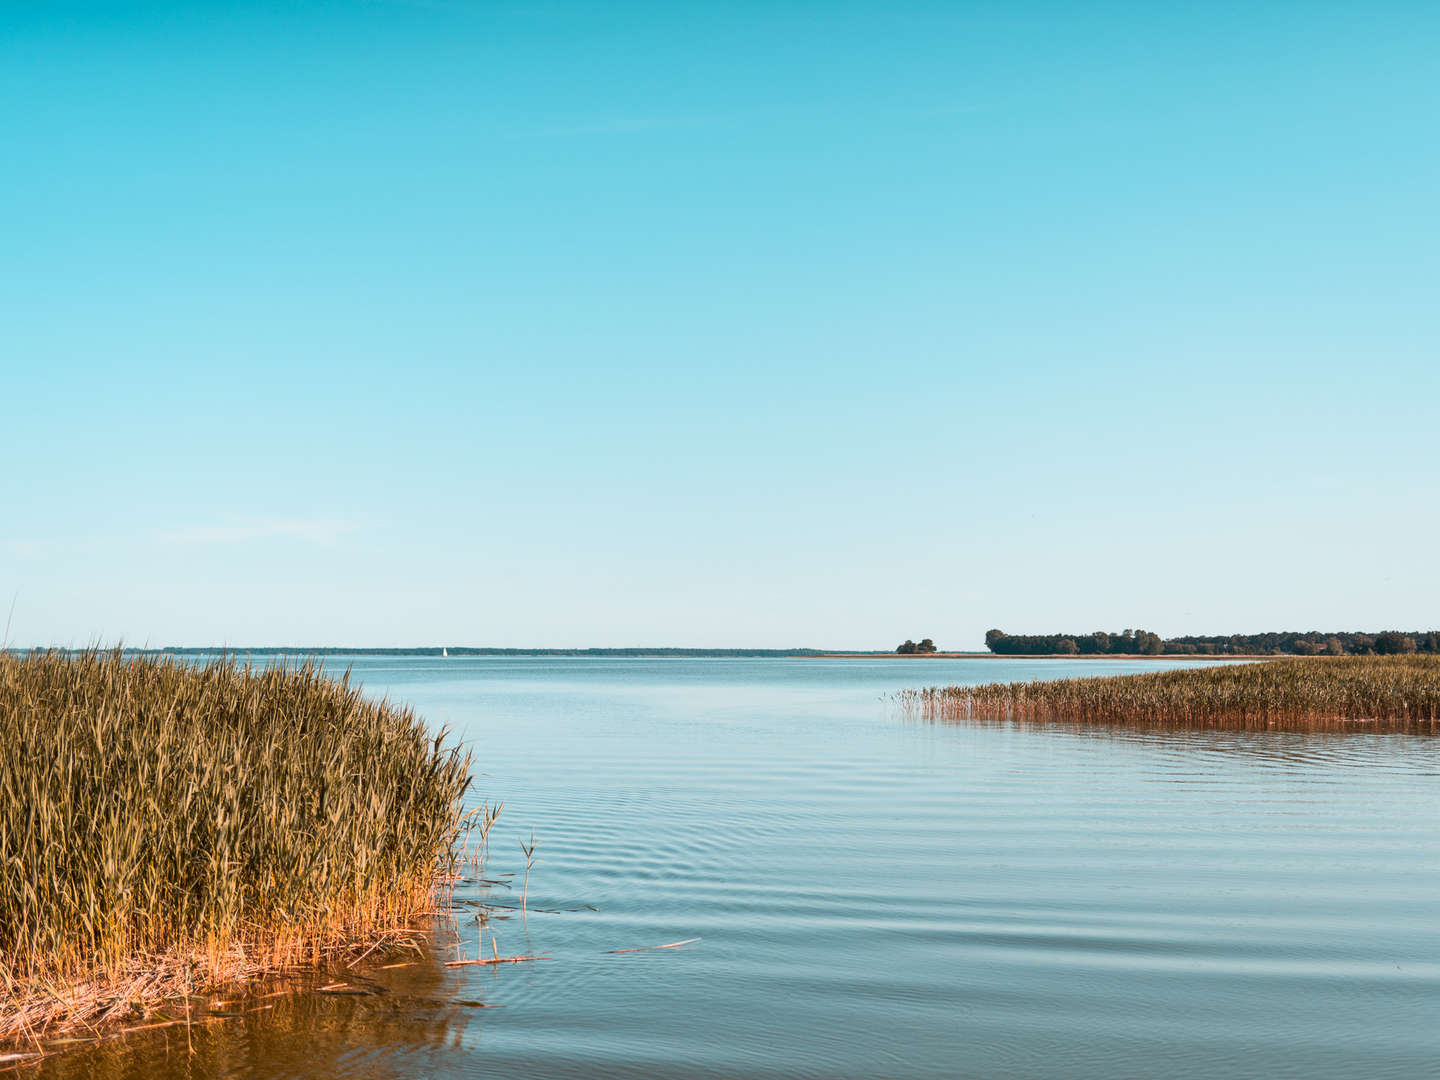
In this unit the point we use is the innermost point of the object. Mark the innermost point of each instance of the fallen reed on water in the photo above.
(1360, 693)
(167, 828)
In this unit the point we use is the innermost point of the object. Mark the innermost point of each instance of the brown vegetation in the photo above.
(168, 828)
(1378, 693)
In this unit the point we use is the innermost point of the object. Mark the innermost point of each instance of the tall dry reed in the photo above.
(1361, 693)
(166, 826)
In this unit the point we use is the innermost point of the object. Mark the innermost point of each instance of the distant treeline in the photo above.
(1279, 643)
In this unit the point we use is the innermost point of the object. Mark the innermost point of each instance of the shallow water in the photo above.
(877, 896)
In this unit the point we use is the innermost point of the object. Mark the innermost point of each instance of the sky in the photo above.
(756, 324)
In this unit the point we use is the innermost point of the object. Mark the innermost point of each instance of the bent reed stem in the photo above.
(168, 828)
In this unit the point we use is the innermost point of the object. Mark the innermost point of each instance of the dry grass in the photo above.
(1361, 693)
(168, 828)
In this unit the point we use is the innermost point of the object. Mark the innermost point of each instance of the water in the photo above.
(879, 896)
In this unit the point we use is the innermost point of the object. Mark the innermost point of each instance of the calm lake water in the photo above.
(882, 897)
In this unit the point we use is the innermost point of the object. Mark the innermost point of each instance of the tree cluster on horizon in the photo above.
(909, 647)
(1276, 643)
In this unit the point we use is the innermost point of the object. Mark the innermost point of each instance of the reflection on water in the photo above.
(1353, 749)
(397, 1022)
(880, 897)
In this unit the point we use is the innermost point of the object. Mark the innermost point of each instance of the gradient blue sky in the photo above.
(759, 324)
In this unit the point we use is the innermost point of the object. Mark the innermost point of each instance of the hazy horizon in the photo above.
(385, 322)
(809, 648)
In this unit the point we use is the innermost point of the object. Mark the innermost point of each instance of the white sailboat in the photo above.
(444, 651)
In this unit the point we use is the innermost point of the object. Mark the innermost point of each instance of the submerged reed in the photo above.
(166, 828)
(1360, 693)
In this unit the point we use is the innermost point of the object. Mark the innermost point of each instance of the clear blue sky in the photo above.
(759, 324)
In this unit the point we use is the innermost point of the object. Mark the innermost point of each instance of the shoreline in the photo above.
(1044, 656)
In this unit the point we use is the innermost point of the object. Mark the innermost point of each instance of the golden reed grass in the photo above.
(1360, 693)
(168, 828)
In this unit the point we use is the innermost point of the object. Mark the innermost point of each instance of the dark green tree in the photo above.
(1391, 642)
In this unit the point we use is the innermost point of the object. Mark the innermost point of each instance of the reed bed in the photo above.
(1362, 693)
(166, 829)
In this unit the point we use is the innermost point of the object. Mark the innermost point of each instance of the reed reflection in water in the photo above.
(391, 1023)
